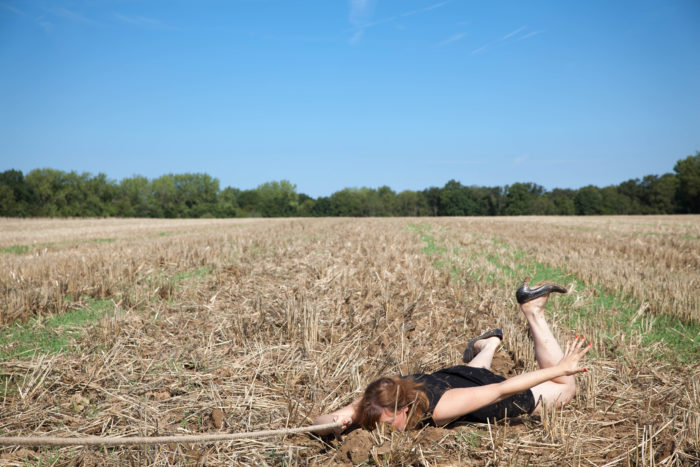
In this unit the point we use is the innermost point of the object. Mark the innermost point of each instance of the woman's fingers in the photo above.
(576, 346)
(585, 350)
(573, 353)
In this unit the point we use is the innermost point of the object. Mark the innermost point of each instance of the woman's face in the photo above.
(398, 419)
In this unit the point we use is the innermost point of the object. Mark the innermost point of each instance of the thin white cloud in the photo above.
(11, 8)
(453, 38)
(361, 13)
(45, 25)
(140, 21)
(520, 160)
(531, 34)
(70, 15)
(436, 5)
(357, 36)
(376, 23)
(512, 33)
(480, 49)
(428, 8)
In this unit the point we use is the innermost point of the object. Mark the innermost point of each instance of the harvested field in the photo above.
(205, 326)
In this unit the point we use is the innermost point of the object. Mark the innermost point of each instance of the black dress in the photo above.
(461, 376)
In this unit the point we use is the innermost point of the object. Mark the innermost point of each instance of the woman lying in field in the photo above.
(471, 392)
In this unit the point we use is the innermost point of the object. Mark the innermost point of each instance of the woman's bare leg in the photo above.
(485, 349)
(560, 390)
(547, 350)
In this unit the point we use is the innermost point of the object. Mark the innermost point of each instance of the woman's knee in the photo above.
(554, 394)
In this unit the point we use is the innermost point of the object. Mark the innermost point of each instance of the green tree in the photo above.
(543, 206)
(659, 194)
(386, 202)
(249, 201)
(278, 199)
(99, 195)
(228, 202)
(459, 200)
(614, 202)
(631, 190)
(8, 204)
(432, 198)
(520, 198)
(563, 201)
(48, 187)
(411, 203)
(588, 200)
(371, 204)
(71, 194)
(163, 197)
(491, 200)
(133, 198)
(688, 194)
(17, 199)
(346, 203)
(196, 195)
(323, 207)
(306, 205)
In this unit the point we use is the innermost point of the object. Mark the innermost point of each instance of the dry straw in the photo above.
(264, 324)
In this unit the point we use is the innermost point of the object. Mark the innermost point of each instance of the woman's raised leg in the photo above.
(548, 353)
(485, 349)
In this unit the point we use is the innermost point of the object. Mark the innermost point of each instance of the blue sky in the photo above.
(334, 94)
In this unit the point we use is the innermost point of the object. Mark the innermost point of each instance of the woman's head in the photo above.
(398, 401)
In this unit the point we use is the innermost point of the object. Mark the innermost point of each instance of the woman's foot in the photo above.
(534, 308)
(525, 294)
(488, 339)
(488, 343)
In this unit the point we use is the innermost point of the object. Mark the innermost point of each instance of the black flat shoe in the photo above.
(524, 294)
(469, 352)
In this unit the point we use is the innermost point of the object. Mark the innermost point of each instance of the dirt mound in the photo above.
(356, 447)
(386, 446)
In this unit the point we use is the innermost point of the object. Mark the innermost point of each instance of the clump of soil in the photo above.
(387, 447)
(502, 364)
(217, 418)
(432, 435)
(356, 447)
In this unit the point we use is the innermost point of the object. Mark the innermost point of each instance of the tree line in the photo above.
(54, 193)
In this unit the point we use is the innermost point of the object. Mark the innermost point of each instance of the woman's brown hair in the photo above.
(392, 393)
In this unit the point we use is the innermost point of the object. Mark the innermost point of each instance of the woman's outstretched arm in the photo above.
(460, 401)
(347, 415)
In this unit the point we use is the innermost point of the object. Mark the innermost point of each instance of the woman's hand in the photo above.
(333, 418)
(572, 355)
(346, 415)
(347, 422)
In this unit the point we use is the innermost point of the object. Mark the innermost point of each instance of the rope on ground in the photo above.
(142, 440)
